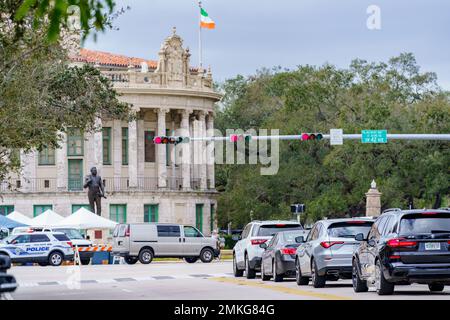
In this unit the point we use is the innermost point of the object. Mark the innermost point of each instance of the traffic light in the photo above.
(170, 140)
(312, 136)
(240, 137)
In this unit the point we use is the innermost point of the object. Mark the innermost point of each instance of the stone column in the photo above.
(61, 165)
(161, 149)
(373, 201)
(210, 152)
(132, 154)
(28, 177)
(140, 150)
(98, 146)
(117, 154)
(202, 150)
(186, 150)
(193, 147)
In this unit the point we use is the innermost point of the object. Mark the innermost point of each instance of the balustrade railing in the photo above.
(112, 184)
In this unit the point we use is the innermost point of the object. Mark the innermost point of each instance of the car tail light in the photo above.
(448, 242)
(429, 213)
(394, 257)
(127, 231)
(401, 243)
(290, 251)
(356, 222)
(280, 225)
(69, 243)
(257, 241)
(328, 244)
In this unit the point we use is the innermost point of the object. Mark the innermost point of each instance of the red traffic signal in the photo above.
(240, 137)
(170, 140)
(311, 136)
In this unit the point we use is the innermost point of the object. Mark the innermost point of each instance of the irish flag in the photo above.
(205, 20)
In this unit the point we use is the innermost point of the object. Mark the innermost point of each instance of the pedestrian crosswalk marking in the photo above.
(128, 279)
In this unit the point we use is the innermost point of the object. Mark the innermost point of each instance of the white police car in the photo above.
(42, 247)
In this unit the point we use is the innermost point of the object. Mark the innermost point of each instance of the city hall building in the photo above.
(143, 181)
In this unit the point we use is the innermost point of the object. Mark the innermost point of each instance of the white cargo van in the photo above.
(144, 241)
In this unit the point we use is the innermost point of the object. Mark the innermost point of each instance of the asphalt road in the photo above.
(179, 280)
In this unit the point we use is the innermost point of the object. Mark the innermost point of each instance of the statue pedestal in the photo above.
(373, 201)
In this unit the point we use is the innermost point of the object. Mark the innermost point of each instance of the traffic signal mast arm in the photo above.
(392, 136)
(302, 137)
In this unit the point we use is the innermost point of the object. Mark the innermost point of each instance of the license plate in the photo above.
(432, 246)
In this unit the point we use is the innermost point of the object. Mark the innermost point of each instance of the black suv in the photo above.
(404, 247)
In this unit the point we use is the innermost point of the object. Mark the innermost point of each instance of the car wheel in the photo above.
(317, 280)
(264, 277)
(55, 259)
(191, 259)
(207, 255)
(249, 272)
(236, 271)
(276, 277)
(383, 287)
(436, 287)
(145, 256)
(131, 260)
(301, 281)
(358, 284)
(85, 262)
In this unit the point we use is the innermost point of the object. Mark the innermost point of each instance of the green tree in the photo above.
(332, 181)
(93, 14)
(41, 94)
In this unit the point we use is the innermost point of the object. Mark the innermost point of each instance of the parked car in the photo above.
(278, 258)
(404, 247)
(40, 247)
(247, 253)
(144, 241)
(74, 235)
(79, 241)
(327, 252)
(7, 282)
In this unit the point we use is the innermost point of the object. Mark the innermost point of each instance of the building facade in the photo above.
(144, 182)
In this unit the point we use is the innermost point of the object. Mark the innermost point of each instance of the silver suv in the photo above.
(144, 241)
(327, 252)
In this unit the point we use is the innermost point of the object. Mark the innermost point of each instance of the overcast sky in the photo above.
(251, 34)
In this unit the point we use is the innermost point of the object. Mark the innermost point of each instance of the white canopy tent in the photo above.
(19, 217)
(84, 219)
(47, 219)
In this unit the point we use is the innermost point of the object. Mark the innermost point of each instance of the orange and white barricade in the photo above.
(97, 248)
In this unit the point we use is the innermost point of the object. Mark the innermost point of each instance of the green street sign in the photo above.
(374, 136)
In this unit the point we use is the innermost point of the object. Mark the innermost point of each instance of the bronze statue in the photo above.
(96, 191)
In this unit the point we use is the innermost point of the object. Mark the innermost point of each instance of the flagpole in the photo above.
(200, 62)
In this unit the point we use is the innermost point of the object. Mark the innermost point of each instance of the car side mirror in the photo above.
(7, 283)
(263, 245)
(360, 237)
(300, 239)
(5, 263)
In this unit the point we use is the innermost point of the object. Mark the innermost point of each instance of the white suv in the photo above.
(41, 247)
(247, 253)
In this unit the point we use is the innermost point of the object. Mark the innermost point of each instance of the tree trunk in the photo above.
(437, 201)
